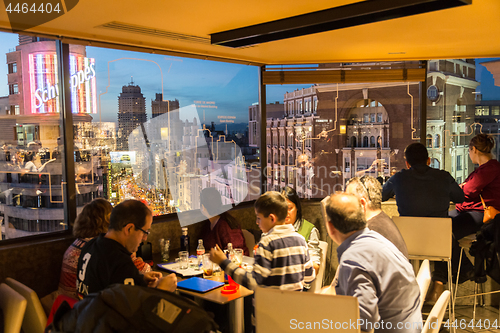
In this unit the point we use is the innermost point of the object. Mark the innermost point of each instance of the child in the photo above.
(282, 259)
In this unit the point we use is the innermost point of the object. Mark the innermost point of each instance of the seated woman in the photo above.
(221, 228)
(302, 226)
(92, 221)
(467, 218)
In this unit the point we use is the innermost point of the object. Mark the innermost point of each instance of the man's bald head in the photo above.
(345, 212)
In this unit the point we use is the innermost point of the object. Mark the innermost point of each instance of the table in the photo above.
(235, 302)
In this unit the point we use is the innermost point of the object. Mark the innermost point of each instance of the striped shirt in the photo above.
(282, 261)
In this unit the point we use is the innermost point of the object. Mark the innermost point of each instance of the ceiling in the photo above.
(183, 28)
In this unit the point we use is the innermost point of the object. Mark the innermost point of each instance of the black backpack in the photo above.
(126, 308)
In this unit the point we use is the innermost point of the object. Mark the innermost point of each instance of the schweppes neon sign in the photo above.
(45, 85)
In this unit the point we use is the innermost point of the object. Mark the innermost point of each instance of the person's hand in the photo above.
(151, 278)
(216, 255)
(168, 283)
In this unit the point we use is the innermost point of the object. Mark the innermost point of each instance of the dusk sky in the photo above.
(233, 88)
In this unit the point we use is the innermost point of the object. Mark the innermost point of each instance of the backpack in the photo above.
(127, 308)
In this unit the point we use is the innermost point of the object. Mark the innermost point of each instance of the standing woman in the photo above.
(468, 216)
(302, 226)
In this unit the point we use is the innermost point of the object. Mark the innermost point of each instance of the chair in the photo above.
(286, 311)
(424, 280)
(435, 319)
(249, 241)
(317, 284)
(35, 318)
(13, 306)
(428, 238)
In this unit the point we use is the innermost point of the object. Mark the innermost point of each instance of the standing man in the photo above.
(105, 260)
(421, 190)
(369, 192)
(372, 269)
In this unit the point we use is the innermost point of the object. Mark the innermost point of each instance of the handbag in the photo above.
(489, 211)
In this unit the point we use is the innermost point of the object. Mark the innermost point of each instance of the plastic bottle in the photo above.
(230, 252)
(185, 240)
(200, 251)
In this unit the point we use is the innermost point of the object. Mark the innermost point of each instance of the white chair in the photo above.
(317, 284)
(424, 280)
(280, 311)
(13, 306)
(35, 318)
(428, 238)
(249, 241)
(435, 319)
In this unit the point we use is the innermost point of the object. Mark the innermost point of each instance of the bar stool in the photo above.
(465, 244)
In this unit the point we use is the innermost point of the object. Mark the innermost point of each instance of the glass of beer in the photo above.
(208, 266)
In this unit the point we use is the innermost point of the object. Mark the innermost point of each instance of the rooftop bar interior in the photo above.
(244, 97)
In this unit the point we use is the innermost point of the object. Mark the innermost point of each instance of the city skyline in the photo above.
(223, 85)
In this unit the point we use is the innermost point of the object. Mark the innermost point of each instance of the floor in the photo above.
(488, 316)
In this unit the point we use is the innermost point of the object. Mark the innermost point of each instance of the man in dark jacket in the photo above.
(421, 190)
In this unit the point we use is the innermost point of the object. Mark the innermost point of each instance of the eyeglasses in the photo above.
(146, 233)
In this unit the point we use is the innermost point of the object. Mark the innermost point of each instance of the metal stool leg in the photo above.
(451, 308)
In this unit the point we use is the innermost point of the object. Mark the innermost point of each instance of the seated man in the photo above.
(369, 192)
(105, 260)
(282, 259)
(372, 269)
(422, 190)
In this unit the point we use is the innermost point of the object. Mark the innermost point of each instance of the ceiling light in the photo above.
(354, 14)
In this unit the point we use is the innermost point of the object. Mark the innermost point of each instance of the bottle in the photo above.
(185, 240)
(200, 251)
(230, 252)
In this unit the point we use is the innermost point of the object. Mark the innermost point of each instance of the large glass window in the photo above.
(149, 127)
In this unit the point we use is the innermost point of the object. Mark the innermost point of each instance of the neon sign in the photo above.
(45, 85)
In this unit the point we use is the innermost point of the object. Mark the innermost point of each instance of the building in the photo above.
(160, 106)
(131, 113)
(487, 120)
(32, 202)
(273, 110)
(333, 132)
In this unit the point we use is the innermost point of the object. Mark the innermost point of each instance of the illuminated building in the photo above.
(32, 202)
(131, 113)
(34, 87)
(331, 133)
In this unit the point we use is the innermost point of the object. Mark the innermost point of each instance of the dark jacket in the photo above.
(423, 191)
(125, 308)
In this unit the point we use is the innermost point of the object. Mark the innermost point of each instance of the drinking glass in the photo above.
(238, 256)
(183, 262)
(208, 266)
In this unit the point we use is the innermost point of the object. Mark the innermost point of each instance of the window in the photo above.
(437, 141)
(379, 117)
(366, 118)
(204, 137)
(459, 162)
(12, 67)
(372, 117)
(495, 110)
(13, 89)
(428, 141)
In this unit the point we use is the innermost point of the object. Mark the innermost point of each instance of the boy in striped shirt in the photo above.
(282, 260)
